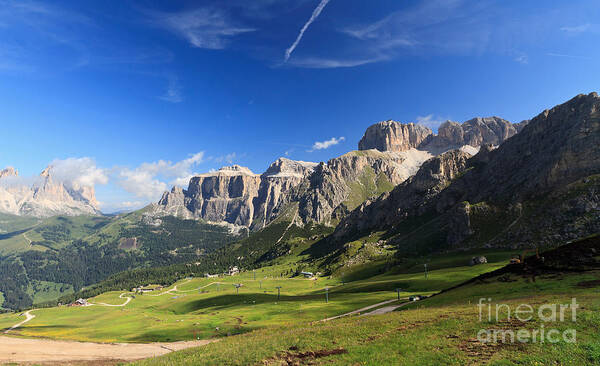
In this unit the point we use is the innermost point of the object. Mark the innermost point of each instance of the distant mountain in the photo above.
(395, 136)
(45, 196)
(234, 195)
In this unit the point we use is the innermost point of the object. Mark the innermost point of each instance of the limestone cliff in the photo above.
(395, 136)
(343, 183)
(234, 195)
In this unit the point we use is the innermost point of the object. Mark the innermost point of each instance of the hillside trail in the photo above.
(120, 297)
(28, 315)
(383, 310)
(169, 291)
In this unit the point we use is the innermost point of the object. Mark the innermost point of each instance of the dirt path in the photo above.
(120, 297)
(29, 317)
(170, 290)
(50, 351)
(361, 310)
(29, 241)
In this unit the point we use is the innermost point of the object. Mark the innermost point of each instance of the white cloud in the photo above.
(203, 28)
(430, 121)
(313, 17)
(320, 145)
(147, 180)
(78, 172)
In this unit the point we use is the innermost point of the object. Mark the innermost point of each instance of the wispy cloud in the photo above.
(173, 92)
(430, 121)
(315, 15)
(577, 29)
(522, 59)
(228, 158)
(568, 56)
(209, 28)
(320, 145)
(323, 63)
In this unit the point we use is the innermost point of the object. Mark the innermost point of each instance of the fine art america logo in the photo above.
(544, 317)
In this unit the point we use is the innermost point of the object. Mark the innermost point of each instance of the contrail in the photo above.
(314, 16)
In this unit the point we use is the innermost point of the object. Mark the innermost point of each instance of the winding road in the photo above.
(29, 317)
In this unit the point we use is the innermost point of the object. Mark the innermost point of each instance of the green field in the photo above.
(210, 307)
(439, 330)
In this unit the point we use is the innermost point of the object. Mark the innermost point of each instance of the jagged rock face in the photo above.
(474, 132)
(551, 167)
(336, 188)
(281, 177)
(409, 198)
(45, 197)
(225, 196)
(9, 172)
(557, 147)
(393, 136)
(234, 194)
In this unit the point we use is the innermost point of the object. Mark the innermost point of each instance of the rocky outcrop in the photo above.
(234, 195)
(412, 198)
(474, 132)
(338, 186)
(45, 196)
(8, 172)
(393, 136)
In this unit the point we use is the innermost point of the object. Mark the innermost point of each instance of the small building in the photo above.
(80, 302)
(233, 271)
(307, 274)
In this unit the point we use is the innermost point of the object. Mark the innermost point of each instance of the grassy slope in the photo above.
(187, 313)
(439, 330)
(51, 233)
(10, 223)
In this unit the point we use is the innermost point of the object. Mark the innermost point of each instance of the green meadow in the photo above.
(202, 308)
(439, 330)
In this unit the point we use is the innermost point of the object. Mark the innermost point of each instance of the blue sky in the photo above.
(134, 96)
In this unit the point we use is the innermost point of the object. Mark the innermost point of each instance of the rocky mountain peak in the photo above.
(287, 167)
(46, 171)
(46, 196)
(9, 171)
(393, 136)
